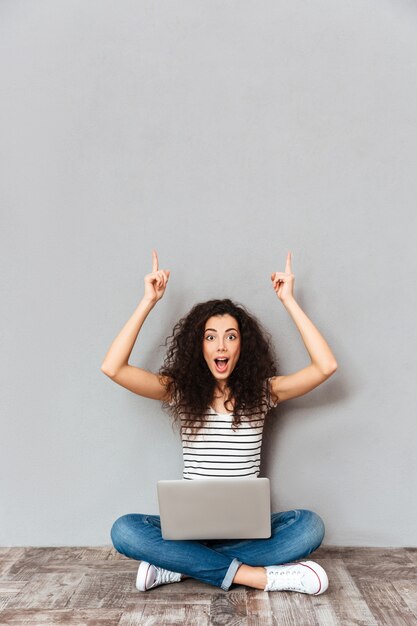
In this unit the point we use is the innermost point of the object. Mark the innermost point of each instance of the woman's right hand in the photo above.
(156, 281)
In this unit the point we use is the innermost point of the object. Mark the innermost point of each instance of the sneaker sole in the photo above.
(321, 576)
(142, 576)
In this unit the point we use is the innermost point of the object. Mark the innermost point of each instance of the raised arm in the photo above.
(116, 362)
(323, 362)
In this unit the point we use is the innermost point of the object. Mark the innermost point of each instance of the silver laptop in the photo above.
(215, 508)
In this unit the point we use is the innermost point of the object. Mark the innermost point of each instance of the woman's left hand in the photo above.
(283, 282)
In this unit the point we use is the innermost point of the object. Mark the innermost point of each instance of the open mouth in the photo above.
(221, 364)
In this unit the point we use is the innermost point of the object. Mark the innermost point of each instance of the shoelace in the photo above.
(294, 576)
(165, 576)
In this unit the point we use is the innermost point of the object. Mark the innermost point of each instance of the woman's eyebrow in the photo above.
(224, 331)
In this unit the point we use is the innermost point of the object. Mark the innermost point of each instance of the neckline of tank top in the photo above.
(222, 414)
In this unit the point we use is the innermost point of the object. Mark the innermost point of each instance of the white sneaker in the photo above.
(305, 577)
(150, 576)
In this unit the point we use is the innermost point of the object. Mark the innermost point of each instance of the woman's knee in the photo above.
(116, 531)
(314, 527)
(121, 531)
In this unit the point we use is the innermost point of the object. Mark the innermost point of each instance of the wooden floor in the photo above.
(96, 586)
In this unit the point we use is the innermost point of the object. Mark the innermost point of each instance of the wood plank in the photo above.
(156, 595)
(383, 571)
(192, 586)
(119, 591)
(75, 553)
(105, 591)
(326, 615)
(166, 615)
(196, 615)
(32, 559)
(25, 569)
(10, 553)
(408, 592)
(342, 603)
(96, 586)
(412, 554)
(229, 607)
(60, 617)
(290, 607)
(9, 589)
(258, 608)
(8, 558)
(361, 554)
(46, 591)
(386, 603)
(189, 587)
(11, 586)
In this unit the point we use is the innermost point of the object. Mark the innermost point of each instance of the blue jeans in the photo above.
(295, 534)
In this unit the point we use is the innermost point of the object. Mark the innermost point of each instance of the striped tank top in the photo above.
(217, 451)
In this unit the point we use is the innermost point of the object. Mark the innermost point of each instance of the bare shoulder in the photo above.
(297, 384)
(142, 382)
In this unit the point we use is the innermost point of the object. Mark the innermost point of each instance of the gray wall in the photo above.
(198, 127)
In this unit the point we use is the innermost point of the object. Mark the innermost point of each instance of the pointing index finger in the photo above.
(288, 263)
(154, 261)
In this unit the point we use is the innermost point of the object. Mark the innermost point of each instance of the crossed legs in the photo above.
(295, 534)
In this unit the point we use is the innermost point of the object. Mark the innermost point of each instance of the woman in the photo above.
(219, 375)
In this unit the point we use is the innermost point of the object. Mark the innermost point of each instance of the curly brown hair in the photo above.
(189, 381)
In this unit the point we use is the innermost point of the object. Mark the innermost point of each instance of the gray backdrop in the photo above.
(223, 134)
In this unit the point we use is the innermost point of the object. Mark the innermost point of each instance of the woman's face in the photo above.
(221, 340)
